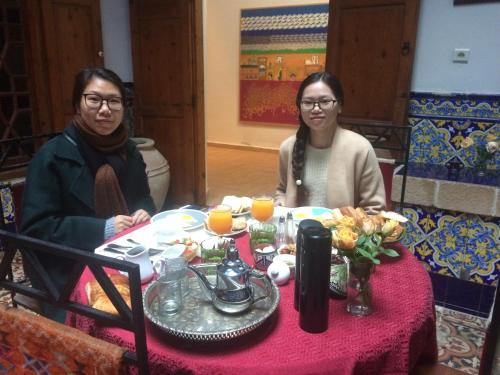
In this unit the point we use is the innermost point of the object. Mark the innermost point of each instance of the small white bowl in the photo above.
(289, 260)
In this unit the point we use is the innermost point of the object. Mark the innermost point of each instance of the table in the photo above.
(400, 332)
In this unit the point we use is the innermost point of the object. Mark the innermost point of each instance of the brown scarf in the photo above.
(108, 197)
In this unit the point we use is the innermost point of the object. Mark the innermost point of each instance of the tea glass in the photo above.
(262, 244)
(213, 249)
(220, 219)
(262, 208)
(171, 285)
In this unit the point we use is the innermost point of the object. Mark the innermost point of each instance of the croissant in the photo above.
(99, 300)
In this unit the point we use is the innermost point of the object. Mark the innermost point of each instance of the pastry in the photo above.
(99, 300)
(239, 223)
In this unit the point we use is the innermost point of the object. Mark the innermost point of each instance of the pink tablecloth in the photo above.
(400, 332)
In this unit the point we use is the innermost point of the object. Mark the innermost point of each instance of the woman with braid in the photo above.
(323, 164)
(89, 183)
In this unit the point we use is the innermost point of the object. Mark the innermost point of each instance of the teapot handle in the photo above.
(267, 283)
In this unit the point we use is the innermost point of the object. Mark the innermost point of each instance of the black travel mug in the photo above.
(304, 224)
(315, 279)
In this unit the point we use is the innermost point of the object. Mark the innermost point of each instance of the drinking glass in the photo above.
(220, 219)
(171, 283)
(263, 244)
(262, 208)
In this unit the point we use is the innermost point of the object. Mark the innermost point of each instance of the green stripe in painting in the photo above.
(282, 51)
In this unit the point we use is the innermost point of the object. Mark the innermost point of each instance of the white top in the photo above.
(315, 172)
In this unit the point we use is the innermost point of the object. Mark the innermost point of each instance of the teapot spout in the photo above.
(206, 286)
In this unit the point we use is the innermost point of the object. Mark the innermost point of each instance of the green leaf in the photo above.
(365, 253)
(361, 240)
(390, 252)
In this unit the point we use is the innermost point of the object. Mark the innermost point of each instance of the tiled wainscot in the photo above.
(454, 211)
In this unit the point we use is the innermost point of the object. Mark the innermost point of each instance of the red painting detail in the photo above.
(268, 101)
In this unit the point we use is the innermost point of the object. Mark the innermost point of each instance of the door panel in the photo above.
(73, 39)
(166, 68)
(371, 48)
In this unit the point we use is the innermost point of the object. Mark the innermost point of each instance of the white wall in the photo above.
(115, 23)
(222, 41)
(444, 27)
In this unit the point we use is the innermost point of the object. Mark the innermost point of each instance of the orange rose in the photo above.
(344, 239)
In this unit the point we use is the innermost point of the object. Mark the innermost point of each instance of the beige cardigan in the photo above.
(354, 177)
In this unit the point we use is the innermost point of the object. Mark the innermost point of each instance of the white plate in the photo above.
(189, 219)
(311, 212)
(233, 233)
(241, 213)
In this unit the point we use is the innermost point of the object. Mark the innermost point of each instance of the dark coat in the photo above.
(58, 200)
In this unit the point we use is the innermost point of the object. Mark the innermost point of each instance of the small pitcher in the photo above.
(140, 256)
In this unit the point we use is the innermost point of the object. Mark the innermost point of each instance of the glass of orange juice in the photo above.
(220, 219)
(262, 208)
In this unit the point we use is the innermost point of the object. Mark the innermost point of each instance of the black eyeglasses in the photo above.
(323, 104)
(95, 101)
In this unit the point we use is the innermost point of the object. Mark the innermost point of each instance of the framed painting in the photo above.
(465, 2)
(279, 47)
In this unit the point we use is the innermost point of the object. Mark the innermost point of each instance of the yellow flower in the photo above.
(346, 222)
(490, 137)
(344, 239)
(368, 226)
(388, 227)
(466, 142)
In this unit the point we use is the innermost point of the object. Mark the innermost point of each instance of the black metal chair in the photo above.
(393, 139)
(131, 319)
(491, 340)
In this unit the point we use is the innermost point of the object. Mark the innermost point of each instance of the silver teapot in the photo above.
(233, 291)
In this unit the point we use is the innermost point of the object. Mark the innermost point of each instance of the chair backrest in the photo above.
(387, 169)
(129, 318)
(395, 141)
(489, 355)
(31, 343)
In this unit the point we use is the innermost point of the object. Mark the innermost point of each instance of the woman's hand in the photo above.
(140, 216)
(123, 222)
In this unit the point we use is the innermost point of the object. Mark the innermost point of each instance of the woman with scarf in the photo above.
(89, 183)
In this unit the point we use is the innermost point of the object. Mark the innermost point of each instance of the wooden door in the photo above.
(72, 40)
(371, 45)
(168, 74)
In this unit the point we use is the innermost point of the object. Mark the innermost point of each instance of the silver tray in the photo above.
(199, 320)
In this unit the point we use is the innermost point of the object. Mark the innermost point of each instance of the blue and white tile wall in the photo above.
(449, 242)
(440, 122)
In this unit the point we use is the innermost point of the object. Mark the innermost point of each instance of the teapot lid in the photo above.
(232, 263)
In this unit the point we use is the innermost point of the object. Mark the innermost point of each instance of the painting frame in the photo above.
(279, 47)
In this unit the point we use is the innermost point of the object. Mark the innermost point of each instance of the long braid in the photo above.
(298, 159)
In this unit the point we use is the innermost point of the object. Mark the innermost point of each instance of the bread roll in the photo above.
(99, 300)
(232, 201)
(239, 223)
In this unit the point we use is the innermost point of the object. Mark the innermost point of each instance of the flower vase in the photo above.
(481, 170)
(359, 289)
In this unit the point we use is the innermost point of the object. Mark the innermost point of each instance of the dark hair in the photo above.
(83, 78)
(299, 148)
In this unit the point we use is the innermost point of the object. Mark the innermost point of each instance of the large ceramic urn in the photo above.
(157, 170)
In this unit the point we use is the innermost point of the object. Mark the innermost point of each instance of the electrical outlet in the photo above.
(461, 55)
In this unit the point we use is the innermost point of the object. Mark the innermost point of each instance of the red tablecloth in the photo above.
(400, 331)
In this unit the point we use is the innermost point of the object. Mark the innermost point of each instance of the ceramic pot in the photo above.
(157, 170)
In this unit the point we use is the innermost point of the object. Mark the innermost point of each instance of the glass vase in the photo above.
(338, 275)
(359, 289)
